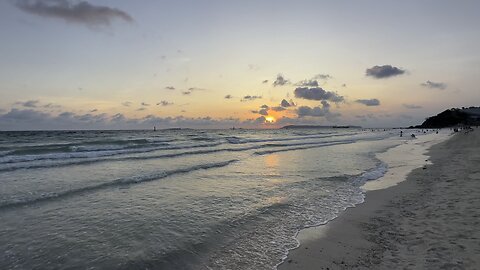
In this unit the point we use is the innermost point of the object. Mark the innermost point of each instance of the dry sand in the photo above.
(430, 221)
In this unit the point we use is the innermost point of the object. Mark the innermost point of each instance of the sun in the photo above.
(269, 119)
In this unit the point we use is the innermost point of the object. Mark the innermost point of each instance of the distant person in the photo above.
(401, 133)
(413, 136)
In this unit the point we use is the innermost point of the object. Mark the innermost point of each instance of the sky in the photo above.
(119, 64)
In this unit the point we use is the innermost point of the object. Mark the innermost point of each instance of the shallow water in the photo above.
(175, 199)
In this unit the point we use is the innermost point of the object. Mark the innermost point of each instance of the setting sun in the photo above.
(269, 119)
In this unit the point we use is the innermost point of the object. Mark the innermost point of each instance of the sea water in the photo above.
(175, 199)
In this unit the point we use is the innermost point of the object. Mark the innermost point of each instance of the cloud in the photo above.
(382, 72)
(287, 104)
(74, 12)
(369, 102)
(52, 106)
(141, 109)
(28, 115)
(412, 106)
(228, 96)
(191, 89)
(280, 81)
(434, 85)
(260, 120)
(29, 103)
(144, 104)
(250, 98)
(263, 112)
(317, 111)
(308, 83)
(317, 93)
(170, 88)
(29, 119)
(278, 108)
(322, 77)
(253, 67)
(127, 103)
(265, 81)
(164, 103)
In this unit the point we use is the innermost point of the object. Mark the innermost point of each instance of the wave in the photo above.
(238, 140)
(68, 162)
(80, 146)
(317, 145)
(115, 183)
(373, 174)
(96, 154)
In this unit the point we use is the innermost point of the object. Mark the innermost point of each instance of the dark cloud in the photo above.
(317, 93)
(265, 81)
(278, 108)
(382, 72)
(412, 106)
(434, 85)
(263, 112)
(127, 103)
(29, 103)
(250, 98)
(287, 104)
(308, 83)
(141, 109)
(264, 106)
(318, 111)
(170, 88)
(144, 104)
(280, 81)
(260, 120)
(369, 102)
(186, 92)
(94, 110)
(164, 103)
(74, 12)
(228, 97)
(344, 85)
(30, 116)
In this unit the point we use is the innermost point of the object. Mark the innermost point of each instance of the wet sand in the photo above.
(429, 221)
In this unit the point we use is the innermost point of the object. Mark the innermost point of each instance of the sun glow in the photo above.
(269, 119)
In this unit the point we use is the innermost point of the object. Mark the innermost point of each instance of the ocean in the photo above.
(176, 199)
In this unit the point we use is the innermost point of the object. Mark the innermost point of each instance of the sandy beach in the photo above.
(429, 221)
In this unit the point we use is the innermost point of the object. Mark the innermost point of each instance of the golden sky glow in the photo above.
(217, 65)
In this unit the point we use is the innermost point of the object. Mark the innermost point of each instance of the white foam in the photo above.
(402, 159)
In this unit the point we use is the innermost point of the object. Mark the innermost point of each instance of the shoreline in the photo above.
(394, 228)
